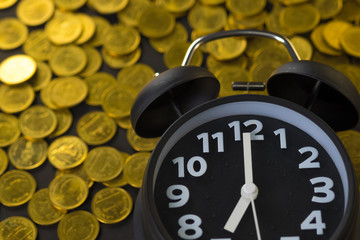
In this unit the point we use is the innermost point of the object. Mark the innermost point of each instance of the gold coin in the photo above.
(139, 143)
(299, 19)
(7, 3)
(78, 171)
(328, 8)
(135, 168)
(38, 46)
(108, 6)
(35, 12)
(206, 19)
(228, 75)
(88, 27)
(37, 122)
(16, 98)
(130, 15)
(64, 120)
(135, 76)
(261, 71)
(68, 91)
(17, 228)
(349, 41)
(302, 46)
(67, 152)
(213, 64)
(333, 31)
(94, 61)
(79, 225)
(179, 34)
(42, 76)
(63, 28)
(16, 187)
(46, 93)
(4, 162)
(349, 11)
(253, 22)
(26, 155)
(352, 71)
(330, 60)
(9, 129)
(111, 205)
(245, 8)
(118, 62)
(68, 60)
(67, 191)
(275, 53)
(69, 5)
(175, 6)
(101, 26)
(96, 128)
(117, 101)
(350, 139)
(104, 163)
(174, 55)
(319, 42)
(97, 84)
(119, 181)
(41, 210)
(121, 40)
(9, 69)
(227, 48)
(155, 22)
(13, 33)
(124, 122)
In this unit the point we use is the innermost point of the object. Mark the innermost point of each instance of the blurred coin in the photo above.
(17, 228)
(41, 210)
(299, 18)
(64, 120)
(63, 28)
(7, 3)
(139, 143)
(67, 191)
(111, 205)
(135, 168)
(94, 61)
(117, 101)
(108, 6)
(155, 22)
(229, 74)
(206, 19)
(9, 69)
(69, 5)
(35, 12)
(68, 60)
(68, 91)
(101, 26)
(302, 46)
(328, 8)
(3, 161)
(349, 41)
(122, 61)
(130, 15)
(13, 33)
(37, 122)
(135, 76)
(319, 41)
(67, 152)
(97, 84)
(88, 26)
(245, 8)
(16, 188)
(38, 46)
(96, 128)
(16, 98)
(78, 224)
(26, 155)
(333, 31)
(9, 129)
(78, 171)
(174, 55)
(227, 48)
(42, 76)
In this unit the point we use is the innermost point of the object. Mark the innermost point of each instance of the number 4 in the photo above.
(314, 222)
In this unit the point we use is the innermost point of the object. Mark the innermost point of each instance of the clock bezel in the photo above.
(146, 208)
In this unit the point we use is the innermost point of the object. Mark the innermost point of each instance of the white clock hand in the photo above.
(249, 192)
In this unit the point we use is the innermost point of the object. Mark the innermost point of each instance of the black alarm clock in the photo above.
(247, 166)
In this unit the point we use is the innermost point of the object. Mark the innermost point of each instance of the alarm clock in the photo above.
(247, 166)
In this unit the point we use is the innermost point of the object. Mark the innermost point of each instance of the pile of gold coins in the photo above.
(70, 162)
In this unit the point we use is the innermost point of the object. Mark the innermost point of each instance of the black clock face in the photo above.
(299, 179)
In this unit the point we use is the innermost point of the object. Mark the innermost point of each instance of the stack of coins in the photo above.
(70, 162)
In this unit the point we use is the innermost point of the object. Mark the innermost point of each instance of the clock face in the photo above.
(299, 177)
